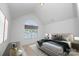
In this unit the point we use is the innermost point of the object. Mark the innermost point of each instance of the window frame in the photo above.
(30, 36)
(4, 26)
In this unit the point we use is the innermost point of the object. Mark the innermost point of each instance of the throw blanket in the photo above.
(64, 45)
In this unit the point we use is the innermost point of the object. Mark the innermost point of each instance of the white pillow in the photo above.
(70, 38)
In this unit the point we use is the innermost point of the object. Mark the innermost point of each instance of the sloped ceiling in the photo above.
(51, 12)
(21, 9)
(48, 12)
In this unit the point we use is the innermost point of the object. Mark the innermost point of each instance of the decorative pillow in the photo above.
(58, 37)
(63, 37)
(68, 37)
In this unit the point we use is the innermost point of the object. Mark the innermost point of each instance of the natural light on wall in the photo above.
(78, 9)
(3, 27)
(77, 4)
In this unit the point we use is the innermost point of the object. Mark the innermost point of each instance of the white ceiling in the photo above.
(51, 12)
(20, 9)
(48, 12)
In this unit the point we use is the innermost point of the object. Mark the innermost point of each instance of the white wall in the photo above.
(59, 17)
(77, 23)
(64, 26)
(77, 26)
(5, 10)
(17, 33)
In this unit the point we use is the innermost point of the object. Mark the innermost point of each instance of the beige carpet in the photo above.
(32, 50)
(28, 50)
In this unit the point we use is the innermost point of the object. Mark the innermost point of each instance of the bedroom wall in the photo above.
(77, 23)
(5, 10)
(17, 33)
(59, 17)
(77, 27)
(64, 26)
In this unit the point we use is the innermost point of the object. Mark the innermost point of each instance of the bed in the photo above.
(54, 47)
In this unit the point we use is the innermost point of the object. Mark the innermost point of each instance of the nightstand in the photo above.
(75, 45)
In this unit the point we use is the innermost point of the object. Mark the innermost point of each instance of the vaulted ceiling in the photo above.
(47, 12)
(21, 9)
(52, 12)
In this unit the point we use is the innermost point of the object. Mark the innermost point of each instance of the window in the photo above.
(3, 27)
(31, 32)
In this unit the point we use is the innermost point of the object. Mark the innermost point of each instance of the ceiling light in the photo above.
(41, 4)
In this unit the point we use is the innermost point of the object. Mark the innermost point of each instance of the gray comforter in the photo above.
(53, 48)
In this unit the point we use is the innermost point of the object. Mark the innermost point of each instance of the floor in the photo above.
(32, 50)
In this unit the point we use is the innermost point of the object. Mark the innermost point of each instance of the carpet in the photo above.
(32, 50)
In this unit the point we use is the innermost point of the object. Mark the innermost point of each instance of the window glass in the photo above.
(2, 17)
(31, 32)
(3, 27)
